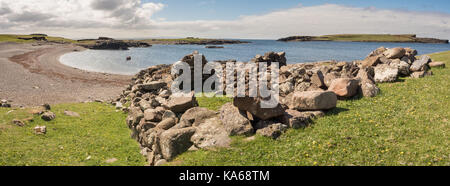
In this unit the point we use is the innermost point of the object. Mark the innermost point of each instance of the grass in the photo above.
(408, 124)
(100, 133)
(367, 38)
(15, 39)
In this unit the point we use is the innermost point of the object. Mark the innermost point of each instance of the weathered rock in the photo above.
(235, 121)
(71, 114)
(328, 79)
(160, 162)
(312, 100)
(196, 116)
(395, 53)
(48, 116)
(385, 73)
(437, 64)
(295, 119)
(253, 105)
(377, 52)
(421, 74)
(272, 131)
(344, 87)
(181, 103)
(421, 64)
(176, 141)
(40, 129)
(403, 67)
(210, 134)
(286, 88)
(153, 115)
(19, 123)
(371, 61)
(154, 85)
(317, 79)
(166, 124)
(135, 116)
(369, 88)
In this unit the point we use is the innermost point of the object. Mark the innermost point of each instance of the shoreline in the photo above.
(32, 75)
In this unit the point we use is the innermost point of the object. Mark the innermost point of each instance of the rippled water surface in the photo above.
(111, 61)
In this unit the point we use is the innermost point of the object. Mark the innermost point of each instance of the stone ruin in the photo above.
(166, 126)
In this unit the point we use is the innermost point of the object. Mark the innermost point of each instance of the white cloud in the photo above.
(132, 18)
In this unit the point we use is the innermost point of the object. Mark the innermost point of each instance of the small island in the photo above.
(193, 41)
(402, 38)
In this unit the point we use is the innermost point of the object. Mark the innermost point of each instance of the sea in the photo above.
(115, 62)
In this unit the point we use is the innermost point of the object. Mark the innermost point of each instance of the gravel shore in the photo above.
(31, 75)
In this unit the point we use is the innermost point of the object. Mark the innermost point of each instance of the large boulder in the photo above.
(330, 77)
(385, 73)
(317, 79)
(48, 116)
(272, 131)
(311, 100)
(344, 87)
(235, 121)
(421, 64)
(367, 85)
(403, 66)
(395, 53)
(295, 119)
(180, 103)
(253, 105)
(371, 61)
(195, 116)
(176, 141)
(210, 134)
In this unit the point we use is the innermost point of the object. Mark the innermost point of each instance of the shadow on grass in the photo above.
(335, 111)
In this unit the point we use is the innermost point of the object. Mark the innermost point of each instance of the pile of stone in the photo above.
(166, 125)
(5, 103)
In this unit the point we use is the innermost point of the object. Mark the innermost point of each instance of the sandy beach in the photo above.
(32, 75)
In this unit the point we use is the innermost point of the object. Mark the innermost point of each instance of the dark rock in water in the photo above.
(212, 46)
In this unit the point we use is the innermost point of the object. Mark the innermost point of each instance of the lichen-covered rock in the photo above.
(421, 64)
(385, 73)
(235, 121)
(196, 116)
(272, 131)
(176, 141)
(211, 134)
(181, 103)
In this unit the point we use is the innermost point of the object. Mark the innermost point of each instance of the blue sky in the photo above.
(184, 10)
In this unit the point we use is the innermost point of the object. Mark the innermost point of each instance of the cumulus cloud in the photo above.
(133, 18)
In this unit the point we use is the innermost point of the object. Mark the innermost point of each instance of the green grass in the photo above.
(15, 39)
(408, 124)
(367, 38)
(100, 133)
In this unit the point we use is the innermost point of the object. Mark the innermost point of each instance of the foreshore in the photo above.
(31, 75)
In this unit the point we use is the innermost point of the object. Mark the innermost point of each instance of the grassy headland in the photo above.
(410, 38)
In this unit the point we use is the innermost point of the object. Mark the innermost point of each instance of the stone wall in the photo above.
(166, 126)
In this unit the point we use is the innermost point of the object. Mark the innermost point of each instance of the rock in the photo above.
(169, 114)
(154, 85)
(153, 115)
(368, 88)
(421, 74)
(295, 119)
(46, 106)
(210, 134)
(160, 162)
(317, 79)
(118, 105)
(181, 103)
(273, 131)
(176, 141)
(344, 87)
(437, 64)
(371, 61)
(197, 115)
(286, 88)
(385, 73)
(235, 121)
(377, 52)
(328, 79)
(403, 67)
(312, 100)
(166, 124)
(71, 114)
(395, 53)
(40, 129)
(48, 116)
(421, 64)
(253, 105)
(19, 123)
(134, 116)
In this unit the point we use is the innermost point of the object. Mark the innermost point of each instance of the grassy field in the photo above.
(15, 39)
(100, 134)
(408, 124)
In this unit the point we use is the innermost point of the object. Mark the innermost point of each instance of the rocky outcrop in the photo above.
(104, 43)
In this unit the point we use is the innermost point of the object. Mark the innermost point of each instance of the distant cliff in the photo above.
(408, 38)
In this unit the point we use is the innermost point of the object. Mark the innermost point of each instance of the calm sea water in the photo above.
(111, 61)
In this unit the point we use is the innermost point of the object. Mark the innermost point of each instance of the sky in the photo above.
(245, 19)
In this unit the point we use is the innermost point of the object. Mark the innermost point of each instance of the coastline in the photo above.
(32, 75)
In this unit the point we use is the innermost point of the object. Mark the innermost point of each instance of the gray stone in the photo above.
(253, 105)
(385, 73)
(176, 141)
(312, 100)
(273, 131)
(197, 115)
(235, 121)
(421, 64)
(153, 115)
(154, 85)
(181, 103)
(211, 134)
(48, 116)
